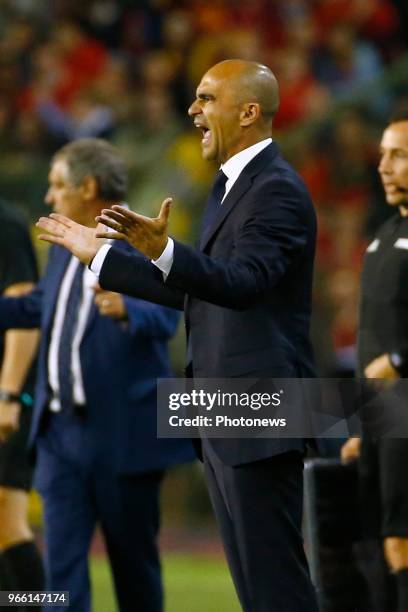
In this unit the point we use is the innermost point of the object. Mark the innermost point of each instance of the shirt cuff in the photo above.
(98, 260)
(165, 261)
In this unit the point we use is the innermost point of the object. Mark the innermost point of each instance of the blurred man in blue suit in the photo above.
(94, 421)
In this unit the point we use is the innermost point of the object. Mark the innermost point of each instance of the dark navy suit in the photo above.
(246, 293)
(106, 464)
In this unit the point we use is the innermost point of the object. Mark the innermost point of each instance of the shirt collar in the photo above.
(234, 166)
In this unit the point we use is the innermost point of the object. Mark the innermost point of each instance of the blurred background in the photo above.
(126, 70)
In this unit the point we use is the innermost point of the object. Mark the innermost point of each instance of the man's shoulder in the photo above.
(390, 225)
(278, 175)
(14, 234)
(11, 218)
(5, 208)
(271, 164)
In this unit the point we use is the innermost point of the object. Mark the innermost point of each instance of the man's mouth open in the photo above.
(206, 134)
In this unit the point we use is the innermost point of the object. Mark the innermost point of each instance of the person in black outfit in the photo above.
(20, 563)
(383, 354)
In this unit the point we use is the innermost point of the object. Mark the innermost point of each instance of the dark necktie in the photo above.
(67, 336)
(214, 200)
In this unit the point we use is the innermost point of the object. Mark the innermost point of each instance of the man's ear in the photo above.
(89, 188)
(251, 111)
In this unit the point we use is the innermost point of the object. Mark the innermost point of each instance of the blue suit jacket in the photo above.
(246, 291)
(120, 365)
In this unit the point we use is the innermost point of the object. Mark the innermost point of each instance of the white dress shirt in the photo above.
(232, 169)
(83, 313)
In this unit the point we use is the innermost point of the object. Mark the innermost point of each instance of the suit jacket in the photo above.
(246, 290)
(120, 365)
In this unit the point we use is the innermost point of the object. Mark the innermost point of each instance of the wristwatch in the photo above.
(396, 361)
(6, 396)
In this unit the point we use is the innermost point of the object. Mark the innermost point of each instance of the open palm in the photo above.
(79, 239)
(148, 235)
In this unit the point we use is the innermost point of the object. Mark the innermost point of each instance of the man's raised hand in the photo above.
(82, 241)
(147, 235)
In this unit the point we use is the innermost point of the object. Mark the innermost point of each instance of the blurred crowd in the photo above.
(127, 70)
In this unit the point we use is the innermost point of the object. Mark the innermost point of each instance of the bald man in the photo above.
(246, 293)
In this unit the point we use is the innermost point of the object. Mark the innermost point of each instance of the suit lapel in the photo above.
(62, 257)
(93, 311)
(240, 187)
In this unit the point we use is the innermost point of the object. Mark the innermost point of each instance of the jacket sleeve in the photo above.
(25, 312)
(132, 274)
(22, 312)
(149, 320)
